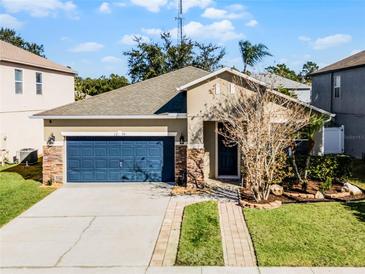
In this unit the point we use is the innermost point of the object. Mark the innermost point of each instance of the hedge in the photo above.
(327, 166)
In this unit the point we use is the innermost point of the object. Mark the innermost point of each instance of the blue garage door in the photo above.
(120, 159)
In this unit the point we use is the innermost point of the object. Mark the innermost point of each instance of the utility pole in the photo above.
(179, 19)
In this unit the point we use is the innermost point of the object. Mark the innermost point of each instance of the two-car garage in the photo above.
(120, 159)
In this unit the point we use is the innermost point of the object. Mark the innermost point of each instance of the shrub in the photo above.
(326, 185)
(327, 166)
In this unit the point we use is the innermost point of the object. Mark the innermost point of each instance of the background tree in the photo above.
(94, 86)
(307, 69)
(252, 53)
(148, 60)
(10, 36)
(284, 71)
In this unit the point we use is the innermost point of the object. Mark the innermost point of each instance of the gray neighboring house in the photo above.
(340, 89)
(302, 91)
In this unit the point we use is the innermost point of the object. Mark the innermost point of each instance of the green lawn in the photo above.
(200, 239)
(320, 234)
(19, 190)
(358, 173)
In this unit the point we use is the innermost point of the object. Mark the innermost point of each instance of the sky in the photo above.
(91, 35)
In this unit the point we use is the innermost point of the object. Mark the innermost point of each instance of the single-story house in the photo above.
(300, 90)
(154, 130)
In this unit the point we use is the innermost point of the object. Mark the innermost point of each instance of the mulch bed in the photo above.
(297, 195)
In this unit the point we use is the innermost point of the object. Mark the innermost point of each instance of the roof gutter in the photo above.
(111, 117)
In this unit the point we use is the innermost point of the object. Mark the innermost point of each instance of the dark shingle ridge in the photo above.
(142, 98)
(355, 60)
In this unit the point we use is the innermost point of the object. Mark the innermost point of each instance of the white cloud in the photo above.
(129, 39)
(221, 30)
(151, 5)
(304, 38)
(87, 47)
(38, 8)
(331, 41)
(105, 8)
(120, 4)
(152, 31)
(188, 4)
(8, 21)
(111, 59)
(252, 23)
(231, 12)
(355, 51)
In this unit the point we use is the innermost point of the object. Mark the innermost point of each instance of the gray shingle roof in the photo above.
(355, 60)
(277, 81)
(13, 54)
(154, 96)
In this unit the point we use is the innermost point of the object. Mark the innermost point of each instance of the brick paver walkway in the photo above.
(237, 246)
(167, 243)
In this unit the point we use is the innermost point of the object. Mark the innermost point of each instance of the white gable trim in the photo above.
(242, 75)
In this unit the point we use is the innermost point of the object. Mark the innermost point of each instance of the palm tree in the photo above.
(252, 53)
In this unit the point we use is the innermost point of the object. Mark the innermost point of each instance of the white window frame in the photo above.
(18, 81)
(337, 85)
(233, 88)
(39, 83)
(217, 88)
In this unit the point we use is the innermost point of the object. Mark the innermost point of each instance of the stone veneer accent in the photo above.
(53, 164)
(195, 166)
(180, 161)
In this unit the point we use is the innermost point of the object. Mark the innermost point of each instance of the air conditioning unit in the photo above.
(27, 156)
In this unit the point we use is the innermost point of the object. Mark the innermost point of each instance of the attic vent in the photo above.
(217, 88)
(233, 88)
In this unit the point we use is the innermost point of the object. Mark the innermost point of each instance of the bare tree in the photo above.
(263, 123)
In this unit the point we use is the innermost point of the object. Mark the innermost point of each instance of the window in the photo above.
(337, 86)
(18, 81)
(39, 82)
(233, 88)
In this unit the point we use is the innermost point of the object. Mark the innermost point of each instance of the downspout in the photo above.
(331, 101)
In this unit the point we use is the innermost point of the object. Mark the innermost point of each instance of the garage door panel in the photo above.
(101, 163)
(114, 163)
(101, 175)
(87, 151)
(87, 175)
(87, 163)
(74, 163)
(120, 159)
(73, 151)
(101, 151)
(114, 150)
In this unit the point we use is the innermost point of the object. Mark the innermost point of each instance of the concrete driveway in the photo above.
(87, 226)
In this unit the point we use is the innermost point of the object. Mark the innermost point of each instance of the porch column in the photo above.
(195, 152)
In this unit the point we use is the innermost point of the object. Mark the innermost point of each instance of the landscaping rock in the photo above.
(271, 205)
(299, 195)
(318, 195)
(337, 195)
(354, 190)
(277, 190)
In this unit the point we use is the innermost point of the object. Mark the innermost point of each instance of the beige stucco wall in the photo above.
(56, 127)
(17, 130)
(200, 100)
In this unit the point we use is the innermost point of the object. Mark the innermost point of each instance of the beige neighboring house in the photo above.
(155, 130)
(28, 84)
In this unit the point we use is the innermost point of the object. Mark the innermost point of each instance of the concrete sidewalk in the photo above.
(186, 270)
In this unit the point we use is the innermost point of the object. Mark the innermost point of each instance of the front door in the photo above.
(227, 158)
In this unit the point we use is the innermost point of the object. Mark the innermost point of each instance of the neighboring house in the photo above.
(302, 91)
(28, 84)
(154, 130)
(340, 89)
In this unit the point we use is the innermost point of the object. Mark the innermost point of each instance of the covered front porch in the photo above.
(213, 158)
